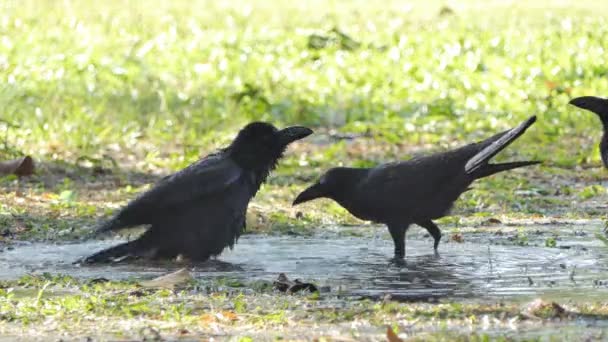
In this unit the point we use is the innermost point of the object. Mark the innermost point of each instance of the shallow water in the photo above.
(485, 265)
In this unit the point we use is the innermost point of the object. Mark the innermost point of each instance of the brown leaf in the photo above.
(23, 166)
(207, 319)
(391, 336)
(283, 284)
(170, 280)
(227, 315)
(457, 237)
(539, 309)
(223, 316)
(491, 221)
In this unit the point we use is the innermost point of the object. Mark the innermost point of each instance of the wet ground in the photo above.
(503, 263)
(510, 264)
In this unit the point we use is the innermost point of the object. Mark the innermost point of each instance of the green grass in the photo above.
(142, 88)
(164, 82)
(123, 308)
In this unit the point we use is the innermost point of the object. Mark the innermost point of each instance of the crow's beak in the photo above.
(314, 191)
(291, 134)
(597, 105)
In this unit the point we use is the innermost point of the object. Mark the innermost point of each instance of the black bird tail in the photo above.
(500, 142)
(490, 169)
(106, 226)
(114, 254)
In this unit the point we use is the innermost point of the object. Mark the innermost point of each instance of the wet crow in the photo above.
(414, 191)
(200, 210)
(599, 106)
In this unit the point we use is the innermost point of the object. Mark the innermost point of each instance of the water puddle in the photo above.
(485, 265)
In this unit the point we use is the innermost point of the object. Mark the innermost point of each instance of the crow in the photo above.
(200, 210)
(414, 191)
(599, 106)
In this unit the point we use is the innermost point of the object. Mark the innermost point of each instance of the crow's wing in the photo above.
(416, 177)
(424, 177)
(427, 186)
(405, 188)
(204, 178)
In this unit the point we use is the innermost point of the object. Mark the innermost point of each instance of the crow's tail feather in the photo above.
(481, 159)
(106, 226)
(114, 254)
(111, 224)
(490, 169)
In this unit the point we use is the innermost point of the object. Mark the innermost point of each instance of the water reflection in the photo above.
(481, 267)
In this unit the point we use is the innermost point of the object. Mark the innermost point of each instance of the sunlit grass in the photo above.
(149, 86)
(157, 79)
(154, 85)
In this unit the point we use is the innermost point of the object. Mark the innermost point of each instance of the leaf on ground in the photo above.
(223, 316)
(457, 237)
(207, 319)
(539, 309)
(23, 166)
(170, 280)
(227, 315)
(283, 284)
(491, 221)
(391, 336)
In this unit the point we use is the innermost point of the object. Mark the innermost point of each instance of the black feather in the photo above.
(598, 106)
(200, 210)
(415, 191)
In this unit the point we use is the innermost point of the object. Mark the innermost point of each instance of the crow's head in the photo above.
(259, 145)
(597, 105)
(336, 184)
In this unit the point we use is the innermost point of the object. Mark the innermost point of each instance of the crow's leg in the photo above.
(398, 235)
(432, 228)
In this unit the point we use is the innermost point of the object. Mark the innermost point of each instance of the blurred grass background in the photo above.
(164, 81)
(108, 95)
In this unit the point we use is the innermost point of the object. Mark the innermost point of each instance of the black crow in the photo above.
(599, 106)
(200, 210)
(414, 191)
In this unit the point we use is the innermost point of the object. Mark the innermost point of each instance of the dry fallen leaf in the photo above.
(227, 315)
(491, 221)
(207, 319)
(23, 166)
(170, 280)
(223, 316)
(283, 284)
(539, 309)
(457, 237)
(391, 336)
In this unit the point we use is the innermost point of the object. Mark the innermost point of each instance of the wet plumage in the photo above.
(200, 210)
(414, 191)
